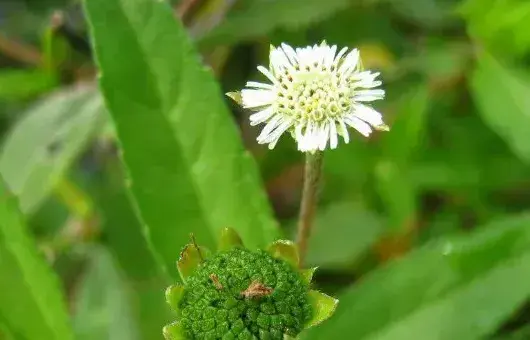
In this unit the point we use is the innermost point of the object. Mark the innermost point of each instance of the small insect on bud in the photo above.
(215, 280)
(256, 289)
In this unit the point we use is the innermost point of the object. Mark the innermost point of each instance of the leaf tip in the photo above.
(323, 307)
(285, 250)
(235, 96)
(229, 239)
(173, 331)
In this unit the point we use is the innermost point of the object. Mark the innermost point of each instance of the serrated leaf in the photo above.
(465, 281)
(103, 309)
(44, 143)
(285, 250)
(323, 307)
(31, 303)
(502, 100)
(261, 17)
(229, 239)
(187, 166)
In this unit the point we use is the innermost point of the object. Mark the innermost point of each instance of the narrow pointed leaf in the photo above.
(43, 144)
(31, 303)
(229, 239)
(173, 296)
(236, 96)
(323, 307)
(307, 274)
(501, 97)
(479, 281)
(173, 332)
(190, 258)
(261, 17)
(103, 306)
(187, 166)
(285, 250)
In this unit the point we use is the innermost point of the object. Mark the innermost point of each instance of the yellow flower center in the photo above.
(312, 96)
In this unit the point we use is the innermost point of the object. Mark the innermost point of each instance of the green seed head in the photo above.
(243, 294)
(239, 294)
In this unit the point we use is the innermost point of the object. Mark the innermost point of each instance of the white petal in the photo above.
(323, 137)
(344, 131)
(333, 140)
(358, 125)
(268, 74)
(365, 75)
(277, 133)
(330, 56)
(339, 56)
(257, 85)
(368, 114)
(367, 84)
(279, 61)
(261, 116)
(290, 53)
(309, 138)
(350, 63)
(368, 95)
(256, 98)
(271, 125)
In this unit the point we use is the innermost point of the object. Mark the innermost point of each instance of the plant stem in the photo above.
(312, 174)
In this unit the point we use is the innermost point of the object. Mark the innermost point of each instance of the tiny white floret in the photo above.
(315, 93)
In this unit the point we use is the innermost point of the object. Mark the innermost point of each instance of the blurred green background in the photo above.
(421, 232)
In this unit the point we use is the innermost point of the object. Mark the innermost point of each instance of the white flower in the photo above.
(315, 93)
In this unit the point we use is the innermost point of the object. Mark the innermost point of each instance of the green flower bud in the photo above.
(243, 294)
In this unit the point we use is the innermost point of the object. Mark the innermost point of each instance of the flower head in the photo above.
(242, 294)
(315, 94)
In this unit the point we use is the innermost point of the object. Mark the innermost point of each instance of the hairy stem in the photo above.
(312, 174)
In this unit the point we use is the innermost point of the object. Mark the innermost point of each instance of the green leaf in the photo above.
(407, 131)
(173, 332)
(323, 307)
(500, 25)
(429, 13)
(43, 144)
(522, 333)
(307, 274)
(285, 250)
(173, 296)
(31, 303)
(24, 84)
(399, 146)
(342, 233)
(123, 235)
(190, 258)
(229, 239)
(466, 282)
(188, 170)
(261, 17)
(501, 96)
(103, 309)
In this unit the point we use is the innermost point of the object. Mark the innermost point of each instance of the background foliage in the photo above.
(422, 232)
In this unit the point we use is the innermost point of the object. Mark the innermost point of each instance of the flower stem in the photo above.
(312, 174)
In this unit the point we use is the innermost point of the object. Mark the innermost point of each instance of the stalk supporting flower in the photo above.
(315, 94)
(312, 174)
